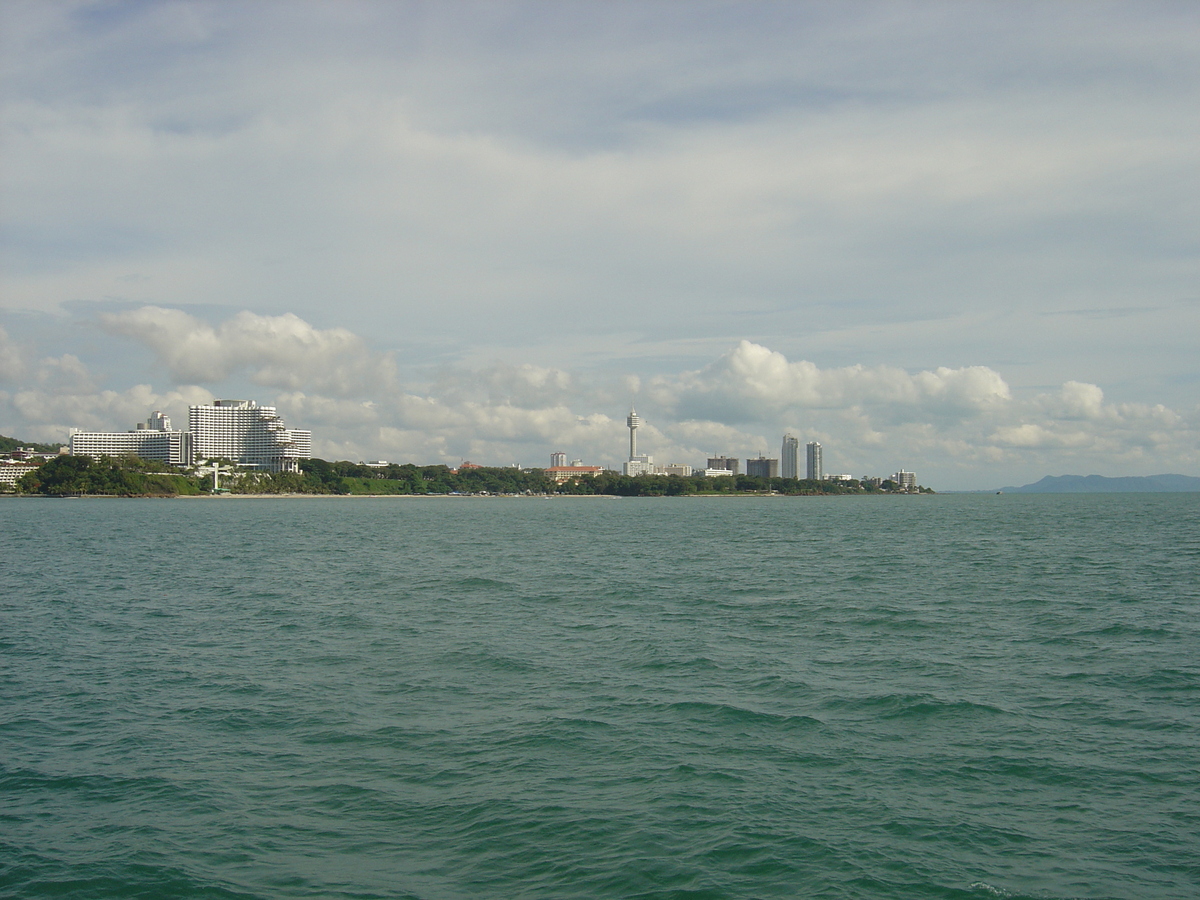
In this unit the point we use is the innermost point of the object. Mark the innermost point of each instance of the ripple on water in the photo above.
(752, 699)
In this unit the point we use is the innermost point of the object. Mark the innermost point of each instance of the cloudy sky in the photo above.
(959, 238)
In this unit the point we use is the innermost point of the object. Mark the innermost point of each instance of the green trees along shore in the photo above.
(134, 477)
(128, 476)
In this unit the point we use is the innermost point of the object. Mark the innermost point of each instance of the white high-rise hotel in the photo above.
(247, 434)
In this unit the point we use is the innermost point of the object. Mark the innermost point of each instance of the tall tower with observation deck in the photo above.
(634, 422)
(637, 465)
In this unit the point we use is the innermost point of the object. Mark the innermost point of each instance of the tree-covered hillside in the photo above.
(8, 445)
(128, 476)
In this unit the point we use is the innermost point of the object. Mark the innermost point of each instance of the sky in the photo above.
(961, 239)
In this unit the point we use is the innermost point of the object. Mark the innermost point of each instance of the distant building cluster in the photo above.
(240, 431)
(644, 464)
(786, 466)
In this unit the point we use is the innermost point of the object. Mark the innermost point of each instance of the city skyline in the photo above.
(942, 235)
(249, 434)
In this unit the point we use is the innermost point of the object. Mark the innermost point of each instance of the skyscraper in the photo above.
(789, 459)
(815, 471)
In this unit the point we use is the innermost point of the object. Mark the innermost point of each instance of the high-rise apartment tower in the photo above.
(789, 459)
(815, 470)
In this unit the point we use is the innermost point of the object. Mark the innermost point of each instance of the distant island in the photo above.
(1099, 484)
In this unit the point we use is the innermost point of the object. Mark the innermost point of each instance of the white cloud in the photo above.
(475, 179)
(277, 351)
(47, 411)
(752, 382)
(64, 375)
(958, 426)
(12, 365)
(523, 385)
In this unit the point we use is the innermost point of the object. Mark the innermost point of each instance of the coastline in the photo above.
(302, 496)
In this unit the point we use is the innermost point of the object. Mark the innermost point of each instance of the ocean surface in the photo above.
(960, 696)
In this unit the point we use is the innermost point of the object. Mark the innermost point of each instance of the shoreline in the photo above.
(301, 496)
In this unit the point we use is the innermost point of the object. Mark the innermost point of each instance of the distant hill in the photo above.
(8, 445)
(1098, 484)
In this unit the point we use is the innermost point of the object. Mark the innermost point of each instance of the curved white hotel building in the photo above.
(247, 434)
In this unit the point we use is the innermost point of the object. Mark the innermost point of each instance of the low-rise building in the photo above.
(11, 471)
(562, 474)
(728, 463)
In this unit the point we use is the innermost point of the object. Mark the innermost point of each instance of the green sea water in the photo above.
(961, 697)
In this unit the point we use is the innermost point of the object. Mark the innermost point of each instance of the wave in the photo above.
(917, 706)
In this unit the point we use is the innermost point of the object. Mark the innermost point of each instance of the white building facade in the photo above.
(152, 439)
(816, 470)
(789, 459)
(247, 434)
(11, 471)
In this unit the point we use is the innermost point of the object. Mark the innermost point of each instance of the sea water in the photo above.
(959, 697)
